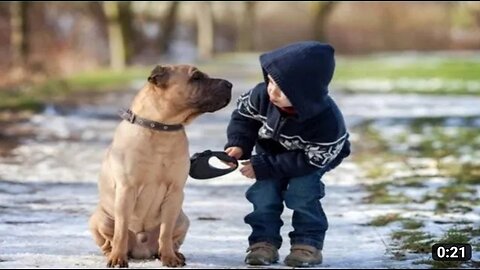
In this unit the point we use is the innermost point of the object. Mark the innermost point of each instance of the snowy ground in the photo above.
(45, 225)
(48, 190)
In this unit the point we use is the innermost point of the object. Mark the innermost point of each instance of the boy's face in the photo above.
(276, 95)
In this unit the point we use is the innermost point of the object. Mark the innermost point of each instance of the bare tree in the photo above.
(126, 18)
(116, 38)
(168, 26)
(321, 11)
(205, 30)
(474, 8)
(245, 38)
(19, 32)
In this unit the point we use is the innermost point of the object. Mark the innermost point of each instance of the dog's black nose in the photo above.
(227, 84)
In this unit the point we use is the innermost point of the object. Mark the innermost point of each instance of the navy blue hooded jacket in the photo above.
(315, 138)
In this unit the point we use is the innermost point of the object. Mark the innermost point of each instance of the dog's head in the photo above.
(187, 89)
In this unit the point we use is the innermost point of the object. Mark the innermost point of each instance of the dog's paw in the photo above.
(180, 255)
(175, 260)
(115, 259)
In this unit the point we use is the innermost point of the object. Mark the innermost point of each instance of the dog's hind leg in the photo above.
(102, 228)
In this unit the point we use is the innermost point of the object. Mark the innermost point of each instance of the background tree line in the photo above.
(38, 38)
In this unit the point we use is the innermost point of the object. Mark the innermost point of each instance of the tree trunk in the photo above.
(474, 10)
(118, 54)
(321, 12)
(168, 27)
(205, 30)
(126, 22)
(19, 32)
(245, 39)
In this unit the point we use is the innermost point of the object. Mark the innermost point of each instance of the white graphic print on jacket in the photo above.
(318, 154)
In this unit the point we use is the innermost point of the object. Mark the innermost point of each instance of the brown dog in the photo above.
(144, 171)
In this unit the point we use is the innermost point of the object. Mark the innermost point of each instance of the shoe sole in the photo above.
(259, 261)
(297, 263)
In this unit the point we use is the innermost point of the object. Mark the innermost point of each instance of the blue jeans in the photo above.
(302, 195)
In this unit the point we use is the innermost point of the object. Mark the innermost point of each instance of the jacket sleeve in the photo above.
(313, 157)
(242, 131)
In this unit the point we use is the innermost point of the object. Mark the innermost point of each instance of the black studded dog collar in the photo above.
(129, 116)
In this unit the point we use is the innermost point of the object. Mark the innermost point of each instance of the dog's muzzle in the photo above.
(219, 96)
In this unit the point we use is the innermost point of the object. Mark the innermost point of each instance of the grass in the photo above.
(33, 98)
(19, 102)
(453, 75)
(104, 79)
(455, 236)
(452, 151)
(456, 192)
(384, 220)
(411, 224)
(419, 74)
(452, 236)
(418, 67)
(453, 198)
(469, 173)
(448, 153)
(414, 241)
(439, 141)
(373, 150)
(379, 194)
(412, 182)
(474, 232)
(421, 242)
(407, 223)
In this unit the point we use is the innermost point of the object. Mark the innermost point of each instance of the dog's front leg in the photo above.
(124, 205)
(169, 213)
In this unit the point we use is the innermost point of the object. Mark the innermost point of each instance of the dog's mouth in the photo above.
(219, 104)
(218, 97)
(213, 98)
(215, 105)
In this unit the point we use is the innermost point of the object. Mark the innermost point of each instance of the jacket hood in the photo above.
(303, 72)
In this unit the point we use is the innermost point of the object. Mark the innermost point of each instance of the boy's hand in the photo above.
(247, 169)
(234, 151)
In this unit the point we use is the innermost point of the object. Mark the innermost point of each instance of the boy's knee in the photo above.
(265, 201)
(265, 195)
(296, 198)
(295, 201)
(265, 189)
(309, 187)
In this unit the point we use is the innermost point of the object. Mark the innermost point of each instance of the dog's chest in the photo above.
(163, 178)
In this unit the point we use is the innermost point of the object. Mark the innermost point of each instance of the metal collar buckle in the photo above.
(131, 117)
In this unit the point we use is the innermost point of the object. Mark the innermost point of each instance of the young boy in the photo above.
(299, 134)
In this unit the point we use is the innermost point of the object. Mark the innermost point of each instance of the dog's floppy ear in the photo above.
(159, 76)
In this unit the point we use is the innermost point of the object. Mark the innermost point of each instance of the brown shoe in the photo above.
(261, 253)
(303, 256)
